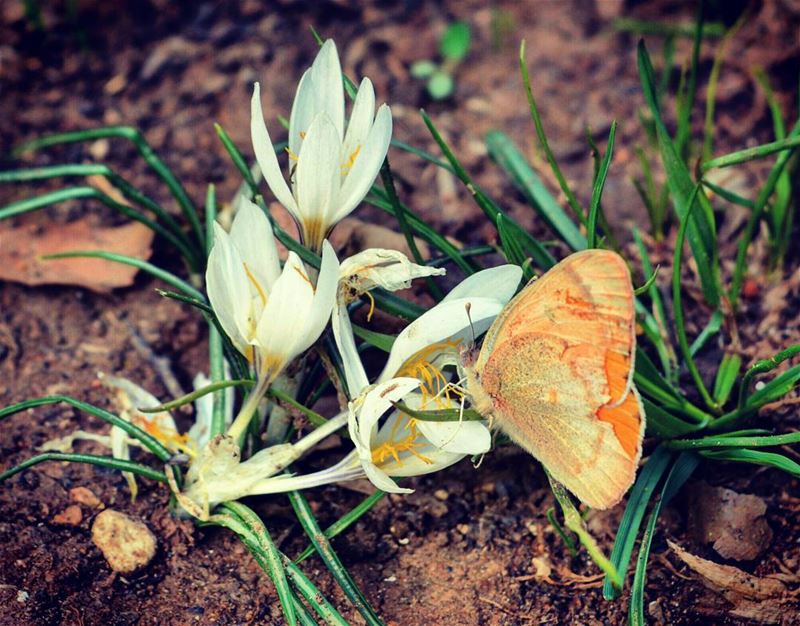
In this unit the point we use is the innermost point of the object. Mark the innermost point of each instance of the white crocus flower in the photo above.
(358, 275)
(401, 446)
(330, 168)
(271, 315)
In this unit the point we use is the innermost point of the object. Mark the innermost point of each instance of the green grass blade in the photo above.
(729, 195)
(764, 366)
(681, 471)
(400, 213)
(665, 29)
(512, 249)
(146, 439)
(751, 154)
(756, 457)
(423, 154)
(331, 559)
(663, 424)
(145, 150)
(203, 307)
(345, 522)
(377, 198)
(685, 105)
(640, 494)
(537, 122)
(153, 270)
(197, 393)
(272, 556)
(85, 192)
(677, 306)
(709, 330)
(751, 229)
(775, 389)
(506, 154)
(96, 169)
(597, 190)
(701, 230)
(379, 340)
(92, 459)
(729, 440)
(726, 377)
(530, 246)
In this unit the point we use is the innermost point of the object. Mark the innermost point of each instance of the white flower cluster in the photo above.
(273, 315)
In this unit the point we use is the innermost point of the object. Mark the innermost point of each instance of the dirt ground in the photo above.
(468, 546)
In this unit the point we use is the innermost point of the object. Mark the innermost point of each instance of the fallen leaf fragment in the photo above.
(763, 599)
(22, 247)
(126, 543)
(733, 522)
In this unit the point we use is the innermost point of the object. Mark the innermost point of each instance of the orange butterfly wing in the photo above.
(557, 364)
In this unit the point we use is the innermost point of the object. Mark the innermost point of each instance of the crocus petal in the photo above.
(446, 321)
(265, 155)
(366, 165)
(324, 296)
(388, 269)
(302, 112)
(498, 282)
(467, 437)
(228, 289)
(283, 323)
(252, 235)
(381, 479)
(318, 173)
(360, 121)
(326, 74)
(354, 373)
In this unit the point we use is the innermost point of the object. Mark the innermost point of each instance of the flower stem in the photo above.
(249, 407)
(320, 433)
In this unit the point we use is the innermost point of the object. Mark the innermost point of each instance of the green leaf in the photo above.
(739, 439)
(331, 559)
(503, 150)
(726, 377)
(440, 85)
(379, 340)
(439, 415)
(102, 461)
(597, 190)
(344, 522)
(146, 439)
(680, 472)
(145, 150)
(775, 389)
(764, 366)
(709, 330)
(751, 154)
(455, 42)
(663, 424)
(628, 530)
(756, 457)
(422, 69)
(701, 230)
(537, 122)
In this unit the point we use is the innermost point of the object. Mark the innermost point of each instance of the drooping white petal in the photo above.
(360, 121)
(497, 282)
(228, 289)
(265, 155)
(366, 165)
(354, 373)
(252, 235)
(326, 74)
(446, 321)
(388, 269)
(283, 323)
(318, 172)
(467, 437)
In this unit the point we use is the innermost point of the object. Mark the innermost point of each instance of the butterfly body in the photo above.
(555, 373)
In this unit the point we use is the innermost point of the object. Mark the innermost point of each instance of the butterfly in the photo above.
(555, 372)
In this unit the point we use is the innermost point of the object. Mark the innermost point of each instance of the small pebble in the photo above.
(71, 516)
(126, 543)
(84, 496)
(441, 494)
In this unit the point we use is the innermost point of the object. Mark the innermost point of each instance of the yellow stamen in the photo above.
(371, 306)
(302, 134)
(351, 159)
(292, 155)
(171, 439)
(261, 293)
(394, 448)
(435, 386)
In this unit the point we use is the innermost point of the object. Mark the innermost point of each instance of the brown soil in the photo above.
(461, 549)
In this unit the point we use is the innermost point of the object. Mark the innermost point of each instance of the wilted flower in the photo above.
(330, 168)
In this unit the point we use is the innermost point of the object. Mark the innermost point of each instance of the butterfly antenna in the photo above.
(468, 308)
